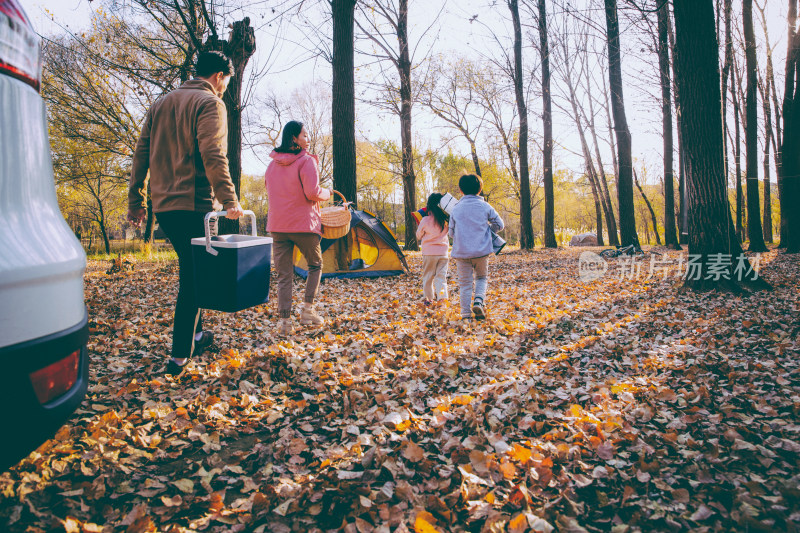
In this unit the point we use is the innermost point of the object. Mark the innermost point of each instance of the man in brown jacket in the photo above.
(184, 144)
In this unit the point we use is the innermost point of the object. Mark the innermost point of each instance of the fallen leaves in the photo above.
(582, 407)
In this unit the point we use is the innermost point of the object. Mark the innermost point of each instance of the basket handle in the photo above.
(345, 203)
(216, 214)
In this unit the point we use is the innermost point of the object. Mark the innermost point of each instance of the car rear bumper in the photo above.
(28, 423)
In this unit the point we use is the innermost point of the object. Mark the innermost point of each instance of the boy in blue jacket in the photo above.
(471, 223)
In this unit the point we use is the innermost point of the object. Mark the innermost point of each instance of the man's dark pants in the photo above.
(180, 227)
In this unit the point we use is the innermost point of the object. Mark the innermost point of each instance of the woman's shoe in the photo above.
(285, 326)
(309, 317)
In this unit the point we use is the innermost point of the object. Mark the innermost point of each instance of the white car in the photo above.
(43, 318)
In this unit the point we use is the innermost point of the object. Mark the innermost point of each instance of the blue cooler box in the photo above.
(231, 272)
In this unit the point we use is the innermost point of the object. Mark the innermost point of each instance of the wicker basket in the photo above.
(336, 219)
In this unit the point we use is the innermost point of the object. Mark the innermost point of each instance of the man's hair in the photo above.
(470, 184)
(209, 63)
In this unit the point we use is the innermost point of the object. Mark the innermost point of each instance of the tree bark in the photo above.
(343, 114)
(755, 232)
(670, 232)
(526, 225)
(711, 236)
(627, 216)
(409, 179)
(790, 160)
(547, 123)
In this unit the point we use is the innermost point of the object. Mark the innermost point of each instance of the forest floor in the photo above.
(619, 404)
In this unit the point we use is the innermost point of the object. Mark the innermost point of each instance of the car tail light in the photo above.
(56, 379)
(20, 46)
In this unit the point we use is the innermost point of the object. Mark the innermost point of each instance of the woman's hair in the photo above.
(470, 184)
(291, 130)
(437, 212)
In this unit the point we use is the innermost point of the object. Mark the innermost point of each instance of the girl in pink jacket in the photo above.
(432, 236)
(293, 219)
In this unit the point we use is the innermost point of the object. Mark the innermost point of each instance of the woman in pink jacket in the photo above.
(293, 219)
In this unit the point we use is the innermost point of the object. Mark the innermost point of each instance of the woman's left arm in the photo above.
(310, 178)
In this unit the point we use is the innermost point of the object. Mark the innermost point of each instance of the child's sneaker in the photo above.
(478, 309)
(285, 326)
(309, 317)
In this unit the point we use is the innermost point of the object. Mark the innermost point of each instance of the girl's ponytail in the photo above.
(437, 212)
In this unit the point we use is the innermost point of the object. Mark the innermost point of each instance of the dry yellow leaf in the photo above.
(421, 525)
(520, 453)
(518, 524)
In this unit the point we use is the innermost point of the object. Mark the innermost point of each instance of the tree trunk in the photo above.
(598, 206)
(106, 241)
(683, 220)
(711, 236)
(670, 233)
(474, 151)
(149, 224)
(409, 179)
(767, 108)
(754, 231)
(776, 134)
(627, 217)
(343, 115)
(726, 69)
(737, 154)
(101, 222)
(547, 122)
(240, 47)
(649, 208)
(526, 226)
(790, 161)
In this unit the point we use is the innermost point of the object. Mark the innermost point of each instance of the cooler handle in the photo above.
(216, 214)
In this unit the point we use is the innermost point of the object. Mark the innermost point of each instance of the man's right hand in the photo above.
(234, 212)
(136, 216)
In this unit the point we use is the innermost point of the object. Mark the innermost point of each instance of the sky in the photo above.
(466, 28)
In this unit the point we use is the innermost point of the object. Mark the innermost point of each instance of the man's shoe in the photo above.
(206, 338)
(478, 309)
(174, 369)
(309, 317)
